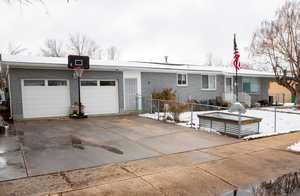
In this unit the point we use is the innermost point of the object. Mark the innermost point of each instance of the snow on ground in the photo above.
(289, 104)
(286, 122)
(295, 147)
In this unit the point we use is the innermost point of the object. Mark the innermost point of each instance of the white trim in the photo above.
(186, 79)
(121, 68)
(36, 62)
(209, 89)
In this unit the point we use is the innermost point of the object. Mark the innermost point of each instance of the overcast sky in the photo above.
(184, 30)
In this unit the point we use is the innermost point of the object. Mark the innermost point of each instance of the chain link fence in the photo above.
(170, 110)
(281, 118)
(275, 119)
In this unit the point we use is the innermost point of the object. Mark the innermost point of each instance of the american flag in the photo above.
(236, 61)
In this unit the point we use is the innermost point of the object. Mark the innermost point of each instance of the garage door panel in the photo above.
(45, 101)
(100, 99)
(43, 98)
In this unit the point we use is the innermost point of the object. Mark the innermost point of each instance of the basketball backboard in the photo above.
(78, 62)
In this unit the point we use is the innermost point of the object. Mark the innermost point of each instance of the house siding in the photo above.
(17, 74)
(157, 81)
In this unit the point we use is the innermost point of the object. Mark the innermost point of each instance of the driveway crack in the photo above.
(222, 179)
(19, 140)
(140, 177)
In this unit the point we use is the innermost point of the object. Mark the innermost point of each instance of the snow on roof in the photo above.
(61, 62)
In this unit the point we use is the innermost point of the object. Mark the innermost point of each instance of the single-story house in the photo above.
(45, 87)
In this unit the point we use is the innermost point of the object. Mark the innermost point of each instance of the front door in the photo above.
(130, 93)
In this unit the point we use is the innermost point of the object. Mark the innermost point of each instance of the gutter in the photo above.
(101, 67)
(94, 67)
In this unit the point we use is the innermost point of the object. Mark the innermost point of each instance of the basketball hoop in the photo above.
(78, 63)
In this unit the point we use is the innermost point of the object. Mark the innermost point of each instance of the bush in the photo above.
(168, 97)
(165, 94)
(176, 109)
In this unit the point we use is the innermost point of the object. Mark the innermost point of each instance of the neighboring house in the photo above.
(280, 93)
(45, 87)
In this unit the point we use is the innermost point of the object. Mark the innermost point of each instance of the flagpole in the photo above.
(236, 85)
(236, 71)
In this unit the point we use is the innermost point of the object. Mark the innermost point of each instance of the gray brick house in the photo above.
(45, 87)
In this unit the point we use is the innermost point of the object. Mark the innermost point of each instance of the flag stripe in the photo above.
(236, 60)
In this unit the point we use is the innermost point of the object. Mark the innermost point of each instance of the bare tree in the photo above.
(53, 48)
(277, 43)
(82, 45)
(19, 1)
(100, 53)
(14, 49)
(112, 53)
(24, 2)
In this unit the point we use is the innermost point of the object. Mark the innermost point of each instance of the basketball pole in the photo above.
(78, 64)
(79, 95)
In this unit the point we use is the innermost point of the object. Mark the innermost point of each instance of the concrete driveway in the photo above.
(46, 146)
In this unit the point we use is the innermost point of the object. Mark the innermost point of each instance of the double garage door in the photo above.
(50, 98)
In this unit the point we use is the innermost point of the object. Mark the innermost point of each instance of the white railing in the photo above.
(243, 97)
(228, 97)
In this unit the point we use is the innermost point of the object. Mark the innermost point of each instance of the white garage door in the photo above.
(45, 98)
(100, 96)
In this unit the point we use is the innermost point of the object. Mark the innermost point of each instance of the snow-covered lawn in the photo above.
(286, 122)
(295, 147)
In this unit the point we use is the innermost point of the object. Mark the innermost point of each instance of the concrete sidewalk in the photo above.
(209, 171)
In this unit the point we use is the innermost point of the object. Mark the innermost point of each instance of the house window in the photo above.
(107, 83)
(57, 83)
(208, 82)
(181, 79)
(89, 83)
(34, 82)
(251, 85)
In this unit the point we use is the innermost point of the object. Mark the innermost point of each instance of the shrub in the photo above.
(196, 105)
(170, 105)
(165, 94)
(176, 109)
